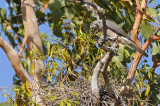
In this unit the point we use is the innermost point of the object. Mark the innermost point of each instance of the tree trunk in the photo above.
(33, 37)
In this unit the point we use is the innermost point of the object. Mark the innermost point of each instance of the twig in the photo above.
(22, 46)
(92, 7)
(45, 6)
(45, 20)
(5, 87)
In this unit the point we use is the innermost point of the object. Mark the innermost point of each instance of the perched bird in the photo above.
(116, 32)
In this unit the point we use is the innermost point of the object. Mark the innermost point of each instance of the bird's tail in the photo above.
(137, 48)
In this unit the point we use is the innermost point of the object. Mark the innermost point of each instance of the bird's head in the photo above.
(96, 25)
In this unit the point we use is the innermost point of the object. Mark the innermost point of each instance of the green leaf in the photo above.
(54, 4)
(147, 90)
(146, 29)
(128, 22)
(137, 74)
(152, 12)
(156, 95)
(117, 61)
(0, 20)
(158, 33)
(151, 1)
(3, 13)
(154, 49)
(11, 38)
(69, 12)
(138, 88)
(21, 30)
(62, 104)
(4, 27)
(132, 17)
(6, 104)
(48, 48)
(121, 52)
(29, 65)
(158, 16)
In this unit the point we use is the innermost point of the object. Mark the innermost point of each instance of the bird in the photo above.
(114, 31)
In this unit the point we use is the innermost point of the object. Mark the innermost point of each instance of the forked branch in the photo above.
(103, 64)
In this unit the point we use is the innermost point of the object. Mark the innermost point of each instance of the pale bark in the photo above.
(33, 37)
(15, 61)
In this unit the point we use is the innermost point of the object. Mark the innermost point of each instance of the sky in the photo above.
(6, 70)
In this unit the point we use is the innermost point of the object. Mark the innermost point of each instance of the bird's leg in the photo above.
(103, 39)
(112, 39)
(111, 49)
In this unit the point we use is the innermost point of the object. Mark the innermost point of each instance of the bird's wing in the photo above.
(133, 45)
(114, 27)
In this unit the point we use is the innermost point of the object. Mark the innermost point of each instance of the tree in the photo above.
(52, 61)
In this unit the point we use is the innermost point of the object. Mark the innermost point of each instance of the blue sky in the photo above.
(6, 70)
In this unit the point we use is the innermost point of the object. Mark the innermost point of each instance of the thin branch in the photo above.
(22, 46)
(45, 6)
(45, 21)
(1, 88)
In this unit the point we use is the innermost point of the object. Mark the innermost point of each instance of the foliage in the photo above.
(71, 52)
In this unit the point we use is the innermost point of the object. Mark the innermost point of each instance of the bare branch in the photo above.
(22, 47)
(15, 61)
(45, 6)
(90, 6)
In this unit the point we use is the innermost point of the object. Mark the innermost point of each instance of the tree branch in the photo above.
(99, 15)
(22, 46)
(138, 6)
(136, 61)
(45, 6)
(138, 56)
(137, 23)
(15, 61)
